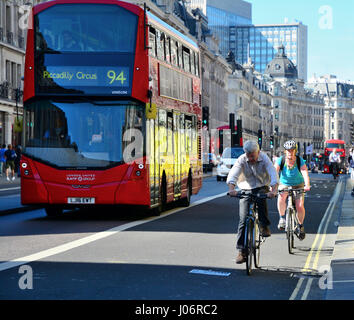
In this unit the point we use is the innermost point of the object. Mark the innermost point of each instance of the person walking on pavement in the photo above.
(253, 172)
(334, 161)
(2, 159)
(17, 160)
(10, 156)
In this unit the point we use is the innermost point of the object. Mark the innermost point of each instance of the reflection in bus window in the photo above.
(82, 133)
(117, 31)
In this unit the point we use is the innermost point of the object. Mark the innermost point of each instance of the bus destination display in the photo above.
(82, 76)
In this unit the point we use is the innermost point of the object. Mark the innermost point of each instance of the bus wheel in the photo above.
(185, 202)
(53, 211)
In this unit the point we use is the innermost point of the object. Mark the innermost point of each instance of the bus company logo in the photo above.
(80, 177)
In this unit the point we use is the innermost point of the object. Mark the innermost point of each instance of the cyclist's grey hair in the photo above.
(251, 146)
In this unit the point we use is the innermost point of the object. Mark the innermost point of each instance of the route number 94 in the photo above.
(113, 76)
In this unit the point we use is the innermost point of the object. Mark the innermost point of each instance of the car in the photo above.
(209, 161)
(227, 160)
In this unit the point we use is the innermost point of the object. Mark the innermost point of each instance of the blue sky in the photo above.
(330, 31)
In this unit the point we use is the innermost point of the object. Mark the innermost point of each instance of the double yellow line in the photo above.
(320, 238)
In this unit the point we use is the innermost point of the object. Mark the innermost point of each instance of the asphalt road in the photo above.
(185, 254)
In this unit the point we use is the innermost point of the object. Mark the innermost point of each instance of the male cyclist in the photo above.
(253, 172)
(293, 172)
(334, 161)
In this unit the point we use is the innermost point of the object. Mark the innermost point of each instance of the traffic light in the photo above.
(271, 142)
(352, 132)
(260, 138)
(205, 119)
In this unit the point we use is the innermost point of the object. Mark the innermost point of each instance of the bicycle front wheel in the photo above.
(257, 248)
(290, 229)
(249, 245)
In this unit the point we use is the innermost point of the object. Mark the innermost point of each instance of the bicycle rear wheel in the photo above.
(249, 245)
(290, 229)
(257, 247)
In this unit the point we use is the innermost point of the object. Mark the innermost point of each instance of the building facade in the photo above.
(277, 103)
(12, 55)
(260, 42)
(339, 106)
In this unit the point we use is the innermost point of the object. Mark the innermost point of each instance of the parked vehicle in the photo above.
(227, 160)
(209, 161)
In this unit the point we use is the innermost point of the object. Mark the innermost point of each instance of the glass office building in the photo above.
(221, 15)
(261, 43)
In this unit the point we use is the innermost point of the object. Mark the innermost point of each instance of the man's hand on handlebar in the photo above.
(232, 193)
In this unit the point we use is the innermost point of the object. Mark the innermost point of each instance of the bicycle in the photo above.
(291, 217)
(253, 238)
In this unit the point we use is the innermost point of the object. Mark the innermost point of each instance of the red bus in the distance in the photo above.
(331, 144)
(111, 108)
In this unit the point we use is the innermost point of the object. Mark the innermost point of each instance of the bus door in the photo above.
(153, 151)
(184, 167)
(170, 157)
(177, 154)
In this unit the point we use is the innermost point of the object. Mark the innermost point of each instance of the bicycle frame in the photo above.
(291, 216)
(252, 239)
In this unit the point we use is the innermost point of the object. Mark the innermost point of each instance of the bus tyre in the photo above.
(53, 211)
(185, 202)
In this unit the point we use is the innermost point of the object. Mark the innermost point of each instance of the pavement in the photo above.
(10, 200)
(340, 280)
(342, 262)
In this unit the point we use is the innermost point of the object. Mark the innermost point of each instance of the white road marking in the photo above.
(94, 237)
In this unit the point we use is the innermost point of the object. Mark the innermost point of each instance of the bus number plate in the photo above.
(81, 200)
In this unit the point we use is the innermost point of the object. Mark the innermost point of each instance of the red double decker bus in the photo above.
(331, 144)
(111, 108)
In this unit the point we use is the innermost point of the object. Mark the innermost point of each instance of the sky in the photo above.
(330, 31)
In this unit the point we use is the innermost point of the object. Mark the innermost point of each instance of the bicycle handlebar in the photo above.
(241, 195)
(292, 190)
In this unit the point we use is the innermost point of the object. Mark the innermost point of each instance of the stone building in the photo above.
(339, 106)
(277, 103)
(297, 112)
(12, 56)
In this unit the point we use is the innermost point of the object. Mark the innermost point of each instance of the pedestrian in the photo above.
(2, 159)
(334, 161)
(351, 164)
(17, 160)
(10, 156)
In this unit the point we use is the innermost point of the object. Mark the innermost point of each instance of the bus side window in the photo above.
(174, 58)
(167, 49)
(180, 56)
(160, 39)
(186, 60)
(152, 41)
(193, 62)
(197, 64)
